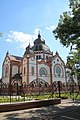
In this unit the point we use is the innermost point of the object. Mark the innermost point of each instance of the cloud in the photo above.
(50, 27)
(8, 40)
(22, 38)
(36, 31)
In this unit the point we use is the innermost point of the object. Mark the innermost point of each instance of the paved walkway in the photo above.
(67, 110)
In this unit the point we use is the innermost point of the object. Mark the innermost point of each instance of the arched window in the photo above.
(43, 72)
(46, 57)
(14, 70)
(24, 70)
(32, 70)
(46, 85)
(58, 70)
(36, 57)
(6, 70)
(39, 56)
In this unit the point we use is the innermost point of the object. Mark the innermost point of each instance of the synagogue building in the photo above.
(37, 69)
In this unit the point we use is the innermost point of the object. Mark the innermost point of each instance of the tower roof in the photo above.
(29, 50)
(39, 40)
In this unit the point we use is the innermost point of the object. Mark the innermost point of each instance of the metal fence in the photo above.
(27, 91)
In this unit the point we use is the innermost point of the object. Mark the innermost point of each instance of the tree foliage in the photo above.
(73, 61)
(68, 28)
(68, 33)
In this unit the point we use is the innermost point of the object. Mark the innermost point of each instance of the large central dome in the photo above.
(39, 44)
(39, 49)
(38, 40)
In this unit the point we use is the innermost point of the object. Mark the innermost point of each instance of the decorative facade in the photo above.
(38, 68)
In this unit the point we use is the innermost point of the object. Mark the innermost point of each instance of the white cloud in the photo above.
(8, 40)
(50, 27)
(36, 31)
(22, 38)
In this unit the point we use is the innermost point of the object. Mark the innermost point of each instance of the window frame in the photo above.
(45, 72)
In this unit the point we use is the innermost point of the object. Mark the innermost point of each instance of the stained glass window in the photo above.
(58, 70)
(43, 72)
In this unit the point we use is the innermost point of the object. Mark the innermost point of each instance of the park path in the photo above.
(56, 112)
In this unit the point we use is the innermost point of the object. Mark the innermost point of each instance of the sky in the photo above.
(21, 21)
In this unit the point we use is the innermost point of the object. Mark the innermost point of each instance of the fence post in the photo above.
(59, 89)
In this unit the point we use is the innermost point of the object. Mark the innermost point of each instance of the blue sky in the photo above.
(20, 21)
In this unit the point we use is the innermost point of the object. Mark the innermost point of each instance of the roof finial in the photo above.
(39, 36)
(7, 53)
(29, 42)
(57, 53)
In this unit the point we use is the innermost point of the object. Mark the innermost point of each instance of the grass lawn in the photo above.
(4, 99)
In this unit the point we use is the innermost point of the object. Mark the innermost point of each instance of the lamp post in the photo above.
(59, 87)
(28, 56)
(10, 78)
(17, 91)
(17, 88)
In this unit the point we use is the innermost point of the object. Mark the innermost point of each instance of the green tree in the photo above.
(73, 63)
(68, 28)
(68, 33)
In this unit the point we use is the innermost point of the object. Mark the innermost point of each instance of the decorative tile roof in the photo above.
(15, 58)
(29, 50)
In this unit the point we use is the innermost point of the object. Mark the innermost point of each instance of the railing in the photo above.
(28, 92)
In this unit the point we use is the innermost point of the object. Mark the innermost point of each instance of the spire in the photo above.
(29, 42)
(57, 53)
(7, 53)
(39, 36)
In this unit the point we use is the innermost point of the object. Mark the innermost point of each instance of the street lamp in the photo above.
(10, 78)
(17, 88)
(59, 87)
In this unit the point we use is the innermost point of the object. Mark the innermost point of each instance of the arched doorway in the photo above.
(16, 84)
(38, 86)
